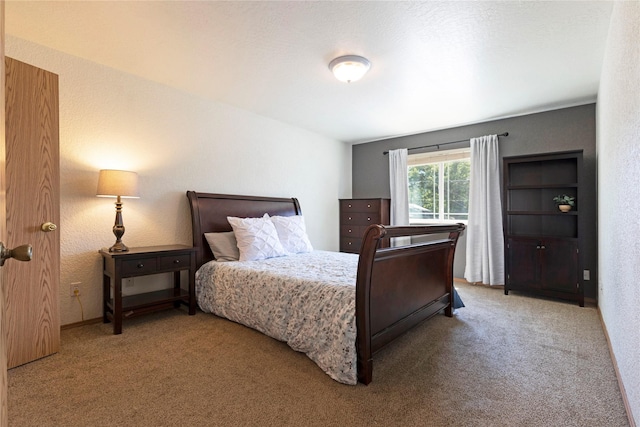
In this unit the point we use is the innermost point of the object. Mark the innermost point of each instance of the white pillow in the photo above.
(223, 245)
(257, 238)
(292, 233)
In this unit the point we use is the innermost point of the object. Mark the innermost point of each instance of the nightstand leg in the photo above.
(106, 295)
(117, 305)
(176, 287)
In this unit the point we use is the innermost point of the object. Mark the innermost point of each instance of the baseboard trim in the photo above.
(83, 323)
(623, 391)
(591, 301)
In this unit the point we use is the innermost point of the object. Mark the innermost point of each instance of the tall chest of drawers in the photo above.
(355, 216)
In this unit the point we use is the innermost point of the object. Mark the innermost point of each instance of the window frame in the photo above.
(438, 158)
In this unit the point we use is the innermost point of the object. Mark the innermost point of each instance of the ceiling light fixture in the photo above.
(349, 68)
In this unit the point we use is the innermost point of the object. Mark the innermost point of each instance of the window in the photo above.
(439, 186)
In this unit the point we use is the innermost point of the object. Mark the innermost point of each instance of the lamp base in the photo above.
(118, 230)
(118, 247)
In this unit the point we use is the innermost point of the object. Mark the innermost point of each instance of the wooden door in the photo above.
(32, 199)
(4, 419)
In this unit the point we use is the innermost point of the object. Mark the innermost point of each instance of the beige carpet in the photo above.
(501, 361)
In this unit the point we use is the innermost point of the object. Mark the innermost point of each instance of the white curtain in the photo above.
(485, 241)
(399, 183)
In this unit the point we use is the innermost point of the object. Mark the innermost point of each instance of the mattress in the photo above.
(306, 300)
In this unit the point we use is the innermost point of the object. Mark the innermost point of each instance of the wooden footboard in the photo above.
(399, 287)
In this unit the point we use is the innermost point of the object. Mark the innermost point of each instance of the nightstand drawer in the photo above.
(174, 262)
(139, 266)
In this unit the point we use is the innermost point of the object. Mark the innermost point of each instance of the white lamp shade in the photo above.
(113, 183)
(349, 68)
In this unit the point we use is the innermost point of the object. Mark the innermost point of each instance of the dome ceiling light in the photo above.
(349, 68)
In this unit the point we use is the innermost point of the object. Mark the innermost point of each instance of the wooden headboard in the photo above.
(209, 215)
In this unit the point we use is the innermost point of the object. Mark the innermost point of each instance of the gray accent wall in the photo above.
(558, 130)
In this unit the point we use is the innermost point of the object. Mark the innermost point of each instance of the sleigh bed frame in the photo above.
(396, 288)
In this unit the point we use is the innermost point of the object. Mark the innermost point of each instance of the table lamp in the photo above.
(120, 184)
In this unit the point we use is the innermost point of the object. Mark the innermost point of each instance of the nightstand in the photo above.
(145, 261)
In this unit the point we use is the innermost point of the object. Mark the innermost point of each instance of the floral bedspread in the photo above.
(306, 300)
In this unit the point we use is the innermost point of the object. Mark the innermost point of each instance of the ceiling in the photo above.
(434, 64)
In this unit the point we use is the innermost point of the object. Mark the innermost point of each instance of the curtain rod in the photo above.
(443, 143)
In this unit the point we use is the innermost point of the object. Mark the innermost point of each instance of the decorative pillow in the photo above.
(257, 238)
(292, 233)
(223, 246)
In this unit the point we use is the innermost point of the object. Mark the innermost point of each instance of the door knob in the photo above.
(21, 253)
(48, 226)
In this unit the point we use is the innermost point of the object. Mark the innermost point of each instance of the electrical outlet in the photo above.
(586, 275)
(74, 289)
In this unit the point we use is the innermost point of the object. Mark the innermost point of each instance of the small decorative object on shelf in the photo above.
(564, 202)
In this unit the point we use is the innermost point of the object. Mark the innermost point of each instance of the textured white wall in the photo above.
(618, 157)
(176, 142)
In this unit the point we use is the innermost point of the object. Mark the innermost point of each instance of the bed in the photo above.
(395, 288)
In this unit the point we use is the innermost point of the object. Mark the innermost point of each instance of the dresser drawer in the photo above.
(350, 244)
(354, 231)
(139, 266)
(359, 218)
(360, 206)
(174, 262)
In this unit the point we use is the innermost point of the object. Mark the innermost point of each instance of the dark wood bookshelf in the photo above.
(542, 244)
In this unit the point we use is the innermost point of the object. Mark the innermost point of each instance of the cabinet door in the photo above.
(523, 263)
(560, 265)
